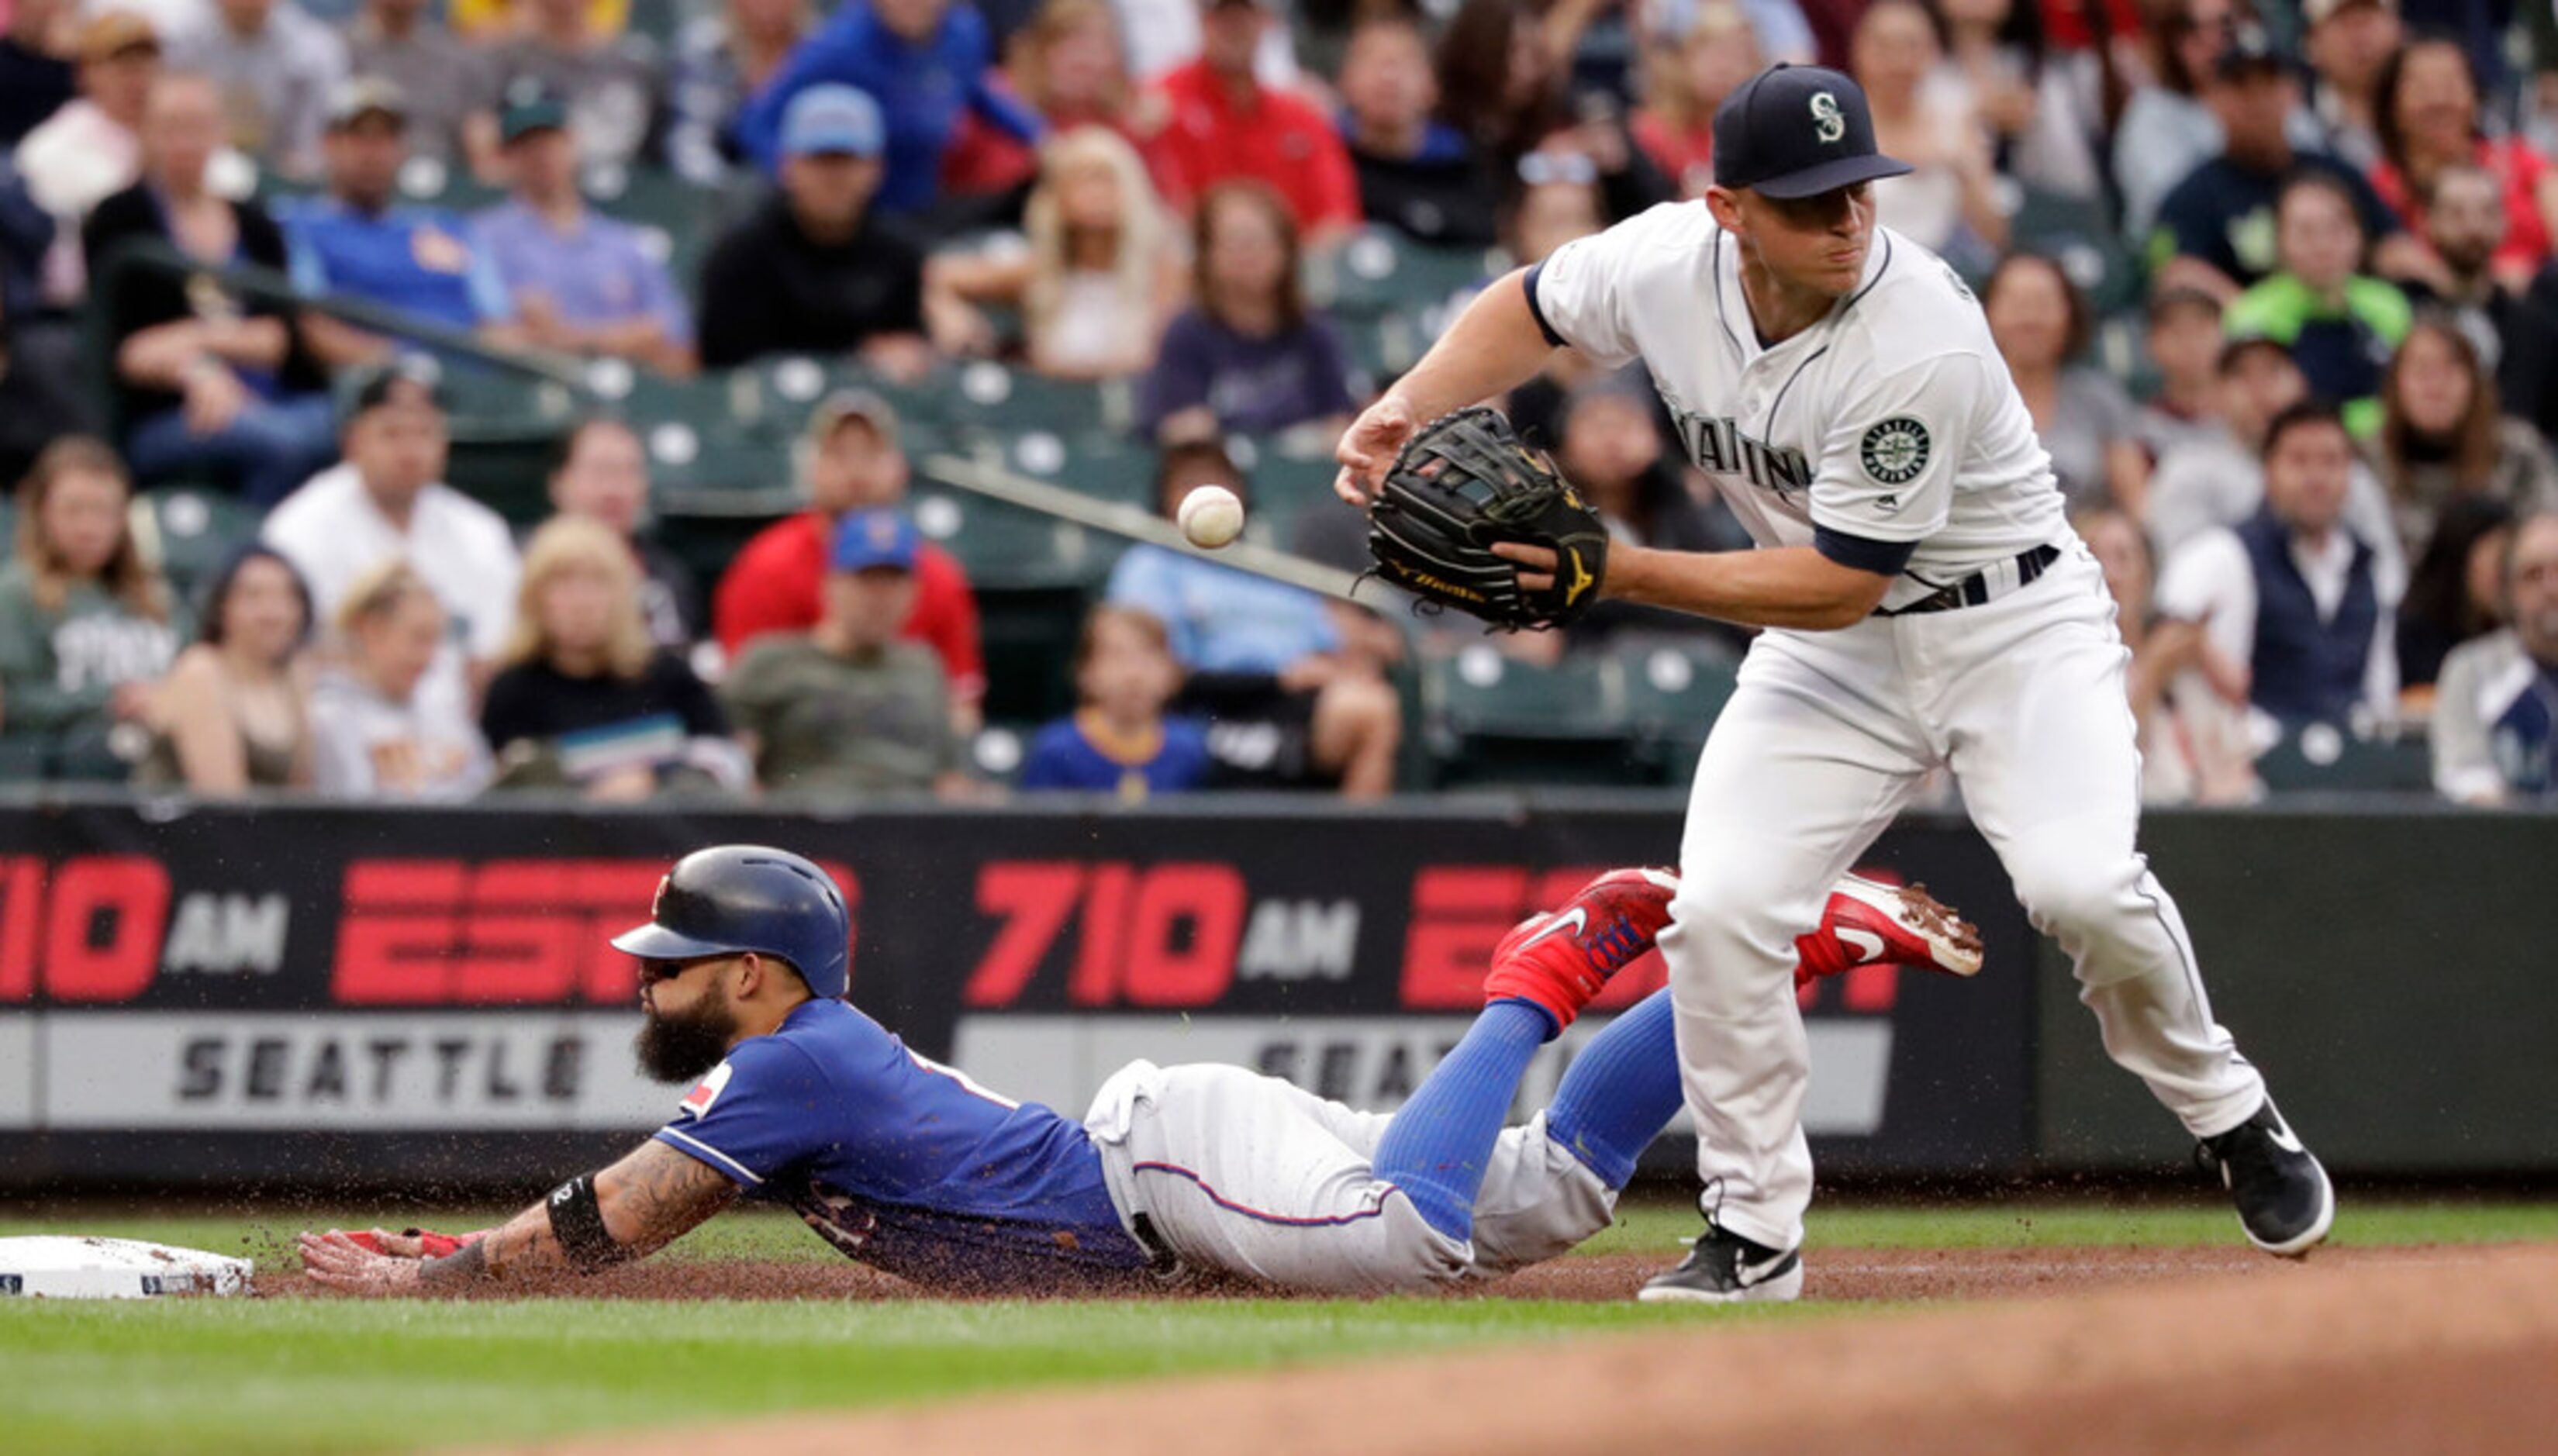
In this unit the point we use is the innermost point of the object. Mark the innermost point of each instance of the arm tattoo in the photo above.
(466, 1265)
(656, 1195)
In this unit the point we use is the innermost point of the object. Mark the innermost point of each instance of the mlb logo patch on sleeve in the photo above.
(697, 1103)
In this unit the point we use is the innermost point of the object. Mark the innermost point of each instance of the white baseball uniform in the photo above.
(1244, 1174)
(1892, 423)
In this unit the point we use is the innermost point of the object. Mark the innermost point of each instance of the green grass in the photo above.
(341, 1375)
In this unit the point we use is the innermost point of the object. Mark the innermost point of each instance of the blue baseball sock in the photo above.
(1438, 1149)
(1621, 1091)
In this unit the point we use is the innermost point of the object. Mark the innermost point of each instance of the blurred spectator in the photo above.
(614, 82)
(2215, 228)
(582, 283)
(234, 713)
(586, 697)
(2429, 120)
(1164, 36)
(2443, 438)
(2042, 325)
(2347, 45)
(2043, 112)
(1100, 279)
(812, 271)
(921, 61)
(36, 74)
(277, 69)
(2455, 595)
(1065, 64)
(485, 22)
(378, 729)
(1287, 704)
(211, 383)
(1223, 125)
(1120, 739)
(602, 475)
(1615, 453)
(2167, 131)
(1686, 76)
(2219, 481)
(1542, 216)
(2514, 325)
(721, 62)
(2339, 325)
(1501, 77)
(1247, 355)
(37, 406)
(387, 502)
(2193, 732)
(2185, 346)
(1947, 204)
(89, 149)
(1416, 174)
(847, 706)
(450, 95)
(2495, 720)
(361, 243)
(2292, 603)
(851, 463)
(85, 621)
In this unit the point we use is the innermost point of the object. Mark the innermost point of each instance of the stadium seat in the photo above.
(505, 467)
(677, 219)
(1008, 547)
(1027, 635)
(1001, 399)
(1495, 719)
(2322, 758)
(1102, 465)
(192, 529)
(2080, 234)
(1378, 271)
(1286, 484)
(25, 757)
(1674, 692)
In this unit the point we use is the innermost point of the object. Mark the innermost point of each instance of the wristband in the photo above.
(577, 1222)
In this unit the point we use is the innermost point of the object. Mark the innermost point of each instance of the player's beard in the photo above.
(680, 1046)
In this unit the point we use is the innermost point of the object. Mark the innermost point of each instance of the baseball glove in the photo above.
(1463, 483)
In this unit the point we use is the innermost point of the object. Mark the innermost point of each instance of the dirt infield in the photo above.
(2411, 1349)
(1858, 1275)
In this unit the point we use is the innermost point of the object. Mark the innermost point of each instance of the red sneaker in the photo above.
(1560, 958)
(1867, 923)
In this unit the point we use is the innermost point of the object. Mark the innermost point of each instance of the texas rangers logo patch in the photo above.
(1895, 451)
(697, 1103)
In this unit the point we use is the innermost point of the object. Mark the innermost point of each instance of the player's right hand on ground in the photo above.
(1369, 446)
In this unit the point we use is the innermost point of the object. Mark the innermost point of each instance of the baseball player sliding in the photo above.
(1926, 603)
(909, 1166)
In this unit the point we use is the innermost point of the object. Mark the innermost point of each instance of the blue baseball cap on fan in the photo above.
(875, 539)
(1797, 131)
(832, 121)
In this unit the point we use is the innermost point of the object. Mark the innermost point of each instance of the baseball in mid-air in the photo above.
(1211, 516)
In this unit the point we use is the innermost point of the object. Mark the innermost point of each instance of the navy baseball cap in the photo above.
(875, 539)
(1797, 131)
(832, 119)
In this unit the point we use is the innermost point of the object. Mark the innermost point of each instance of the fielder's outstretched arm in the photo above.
(1771, 586)
(1493, 346)
(634, 1208)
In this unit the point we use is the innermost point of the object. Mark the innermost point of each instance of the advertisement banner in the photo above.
(372, 982)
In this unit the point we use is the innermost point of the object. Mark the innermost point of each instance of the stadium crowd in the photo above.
(2277, 286)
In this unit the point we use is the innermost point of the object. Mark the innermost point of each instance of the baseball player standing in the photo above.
(1926, 603)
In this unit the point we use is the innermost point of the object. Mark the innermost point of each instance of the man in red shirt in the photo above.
(775, 583)
(1220, 123)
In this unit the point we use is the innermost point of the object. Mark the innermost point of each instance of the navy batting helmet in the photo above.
(747, 897)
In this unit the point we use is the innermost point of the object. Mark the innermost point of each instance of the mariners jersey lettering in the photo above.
(1893, 420)
(903, 1164)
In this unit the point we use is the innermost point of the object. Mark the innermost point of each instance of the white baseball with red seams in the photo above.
(1893, 420)
(1211, 516)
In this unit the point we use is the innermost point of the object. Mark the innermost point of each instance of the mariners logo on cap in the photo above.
(1895, 451)
(1827, 123)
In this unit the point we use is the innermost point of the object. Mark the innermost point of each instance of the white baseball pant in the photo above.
(1829, 733)
(1250, 1176)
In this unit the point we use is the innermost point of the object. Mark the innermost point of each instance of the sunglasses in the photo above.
(653, 972)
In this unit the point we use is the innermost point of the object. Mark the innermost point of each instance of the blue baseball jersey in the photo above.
(903, 1164)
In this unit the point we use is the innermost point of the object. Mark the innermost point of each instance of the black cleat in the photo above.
(1722, 1268)
(2285, 1201)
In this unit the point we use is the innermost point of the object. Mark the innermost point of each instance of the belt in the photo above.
(1982, 585)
